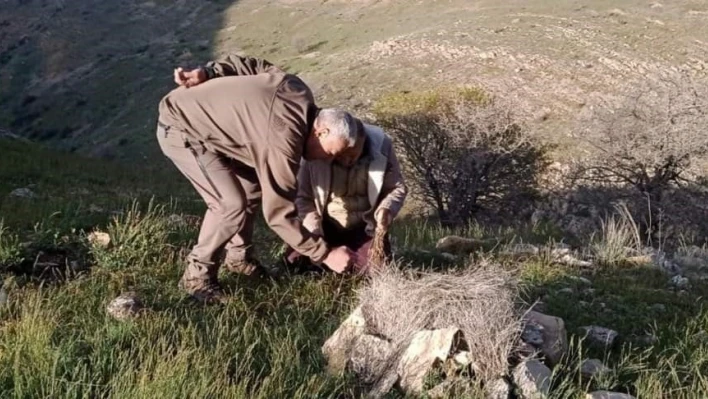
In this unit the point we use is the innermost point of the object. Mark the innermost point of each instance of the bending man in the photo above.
(239, 139)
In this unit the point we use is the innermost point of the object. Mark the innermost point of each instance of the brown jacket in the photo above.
(386, 187)
(260, 116)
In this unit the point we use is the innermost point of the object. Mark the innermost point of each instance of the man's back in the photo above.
(243, 116)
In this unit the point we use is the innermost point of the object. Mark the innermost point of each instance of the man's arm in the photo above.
(232, 65)
(305, 201)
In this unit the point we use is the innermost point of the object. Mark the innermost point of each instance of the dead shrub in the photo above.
(480, 301)
(649, 141)
(463, 151)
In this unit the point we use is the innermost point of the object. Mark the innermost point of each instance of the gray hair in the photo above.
(340, 124)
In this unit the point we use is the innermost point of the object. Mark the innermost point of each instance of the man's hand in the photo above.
(383, 218)
(190, 78)
(340, 259)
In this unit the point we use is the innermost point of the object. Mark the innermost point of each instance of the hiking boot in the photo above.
(247, 267)
(208, 291)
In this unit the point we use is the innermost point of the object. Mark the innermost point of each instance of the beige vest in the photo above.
(374, 179)
(348, 198)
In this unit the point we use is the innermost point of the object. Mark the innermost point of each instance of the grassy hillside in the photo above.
(56, 339)
(87, 76)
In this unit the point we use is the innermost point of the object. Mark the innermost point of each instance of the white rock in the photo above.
(592, 367)
(337, 348)
(549, 335)
(463, 358)
(367, 357)
(427, 348)
(498, 389)
(125, 306)
(99, 239)
(680, 282)
(608, 395)
(22, 193)
(581, 280)
(533, 379)
(599, 336)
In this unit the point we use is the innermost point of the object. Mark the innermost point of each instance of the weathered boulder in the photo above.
(368, 357)
(533, 379)
(125, 306)
(426, 350)
(546, 333)
(600, 337)
(457, 244)
(337, 348)
(592, 367)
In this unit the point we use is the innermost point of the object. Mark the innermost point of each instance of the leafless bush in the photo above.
(479, 301)
(463, 151)
(651, 139)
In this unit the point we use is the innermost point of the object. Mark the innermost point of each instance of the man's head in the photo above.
(333, 132)
(351, 155)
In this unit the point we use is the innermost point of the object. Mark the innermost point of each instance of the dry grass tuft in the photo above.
(480, 301)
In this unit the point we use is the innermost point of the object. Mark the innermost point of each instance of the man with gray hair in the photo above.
(239, 140)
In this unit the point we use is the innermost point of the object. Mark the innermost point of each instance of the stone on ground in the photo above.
(608, 395)
(427, 349)
(457, 244)
(337, 348)
(600, 337)
(125, 306)
(546, 333)
(498, 389)
(368, 357)
(22, 193)
(533, 379)
(590, 368)
(99, 239)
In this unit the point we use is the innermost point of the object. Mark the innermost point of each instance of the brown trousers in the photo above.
(231, 192)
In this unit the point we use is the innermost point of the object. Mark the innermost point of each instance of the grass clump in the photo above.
(10, 248)
(138, 238)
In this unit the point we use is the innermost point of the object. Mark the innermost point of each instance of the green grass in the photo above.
(56, 339)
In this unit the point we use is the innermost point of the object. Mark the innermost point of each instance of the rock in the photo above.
(658, 307)
(450, 389)
(639, 260)
(522, 251)
(448, 256)
(600, 337)
(93, 208)
(581, 280)
(77, 266)
(648, 339)
(589, 291)
(4, 297)
(539, 306)
(456, 244)
(22, 193)
(533, 379)
(570, 260)
(99, 239)
(337, 348)
(546, 333)
(608, 395)
(590, 368)
(680, 282)
(463, 358)
(126, 306)
(566, 291)
(498, 389)
(367, 357)
(427, 349)
(532, 335)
